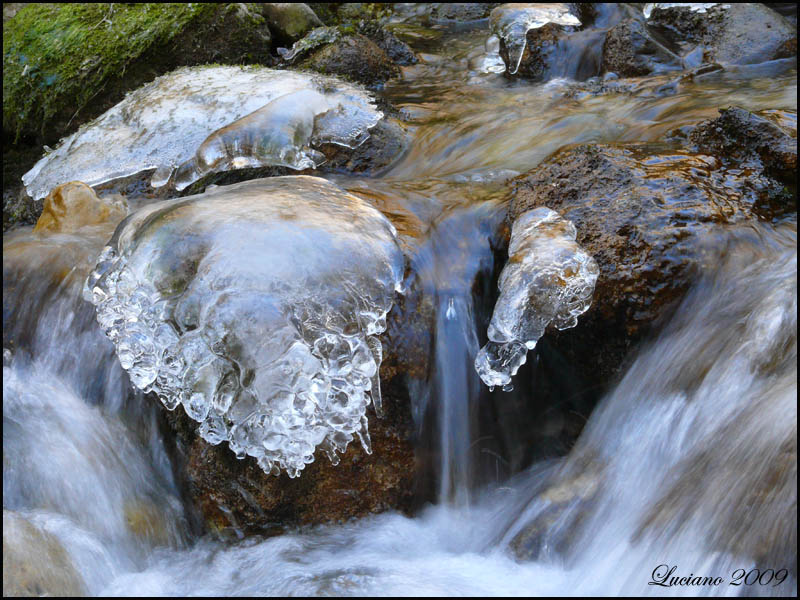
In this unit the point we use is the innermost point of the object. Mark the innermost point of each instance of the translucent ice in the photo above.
(256, 306)
(209, 119)
(548, 278)
(512, 22)
(315, 38)
(700, 7)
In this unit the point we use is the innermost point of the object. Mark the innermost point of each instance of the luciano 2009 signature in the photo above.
(666, 576)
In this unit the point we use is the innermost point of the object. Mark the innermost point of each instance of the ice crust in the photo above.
(257, 307)
(548, 278)
(512, 22)
(203, 119)
(699, 7)
(314, 39)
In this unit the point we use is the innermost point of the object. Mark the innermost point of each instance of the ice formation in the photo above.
(257, 307)
(211, 118)
(699, 7)
(314, 39)
(548, 278)
(512, 22)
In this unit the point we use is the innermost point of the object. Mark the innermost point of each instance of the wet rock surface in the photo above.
(34, 561)
(642, 212)
(354, 57)
(736, 33)
(739, 136)
(631, 50)
(460, 12)
(73, 205)
(530, 35)
(289, 21)
(236, 496)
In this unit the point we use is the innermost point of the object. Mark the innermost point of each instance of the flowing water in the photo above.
(704, 415)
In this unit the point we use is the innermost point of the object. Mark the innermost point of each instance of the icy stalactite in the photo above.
(206, 119)
(549, 278)
(256, 307)
(699, 7)
(512, 22)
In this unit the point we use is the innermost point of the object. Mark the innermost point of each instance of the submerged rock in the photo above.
(205, 119)
(34, 561)
(64, 64)
(643, 212)
(548, 278)
(256, 306)
(527, 32)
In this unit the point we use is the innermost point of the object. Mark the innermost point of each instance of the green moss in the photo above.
(57, 53)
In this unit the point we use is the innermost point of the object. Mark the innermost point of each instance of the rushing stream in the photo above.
(704, 414)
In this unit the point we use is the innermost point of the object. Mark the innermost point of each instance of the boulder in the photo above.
(631, 50)
(73, 205)
(530, 35)
(289, 21)
(642, 212)
(460, 12)
(34, 561)
(734, 34)
(54, 82)
(227, 117)
(354, 57)
(291, 276)
(739, 136)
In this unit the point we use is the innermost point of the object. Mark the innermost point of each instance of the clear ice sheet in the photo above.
(549, 278)
(210, 118)
(512, 22)
(256, 307)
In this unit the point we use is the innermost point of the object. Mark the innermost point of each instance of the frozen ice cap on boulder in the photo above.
(213, 118)
(257, 307)
(548, 278)
(512, 22)
(698, 7)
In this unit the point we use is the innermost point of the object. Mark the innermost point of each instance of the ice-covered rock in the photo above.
(256, 306)
(548, 278)
(698, 7)
(203, 119)
(512, 22)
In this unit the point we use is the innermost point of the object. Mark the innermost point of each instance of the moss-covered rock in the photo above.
(64, 64)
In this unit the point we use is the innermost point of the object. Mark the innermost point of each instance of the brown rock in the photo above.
(642, 212)
(34, 562)
(73, 205)
(739, 136)
(237, 496)
(353, 57)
